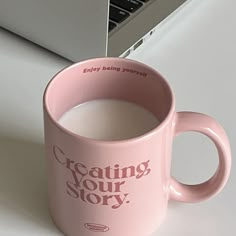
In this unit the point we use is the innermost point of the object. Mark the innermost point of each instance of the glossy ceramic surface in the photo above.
(102, 187)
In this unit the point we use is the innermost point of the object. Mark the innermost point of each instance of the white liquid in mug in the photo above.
(109, 120)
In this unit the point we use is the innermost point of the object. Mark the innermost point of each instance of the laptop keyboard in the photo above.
(120, 10)
(117, 15)
(130, 6)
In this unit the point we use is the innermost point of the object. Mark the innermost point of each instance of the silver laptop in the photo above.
(82, 29)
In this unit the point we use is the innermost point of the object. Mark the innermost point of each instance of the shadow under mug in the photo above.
(120, 187)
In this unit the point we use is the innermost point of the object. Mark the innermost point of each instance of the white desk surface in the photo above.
(195, 50)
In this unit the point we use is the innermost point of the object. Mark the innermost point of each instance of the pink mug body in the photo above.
(120, 187)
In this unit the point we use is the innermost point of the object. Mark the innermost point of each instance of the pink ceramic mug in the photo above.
(122, 187)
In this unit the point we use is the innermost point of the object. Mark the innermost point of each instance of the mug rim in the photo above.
(113, 142)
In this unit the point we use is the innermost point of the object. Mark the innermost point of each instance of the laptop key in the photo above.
(128, 5)
(118, 15)
(111, 26)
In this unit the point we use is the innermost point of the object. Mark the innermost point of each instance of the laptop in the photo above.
(82, 29)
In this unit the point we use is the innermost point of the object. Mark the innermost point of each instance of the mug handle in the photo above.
(191, 121)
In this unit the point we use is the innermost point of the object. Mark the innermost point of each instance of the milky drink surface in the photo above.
(109, 120)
